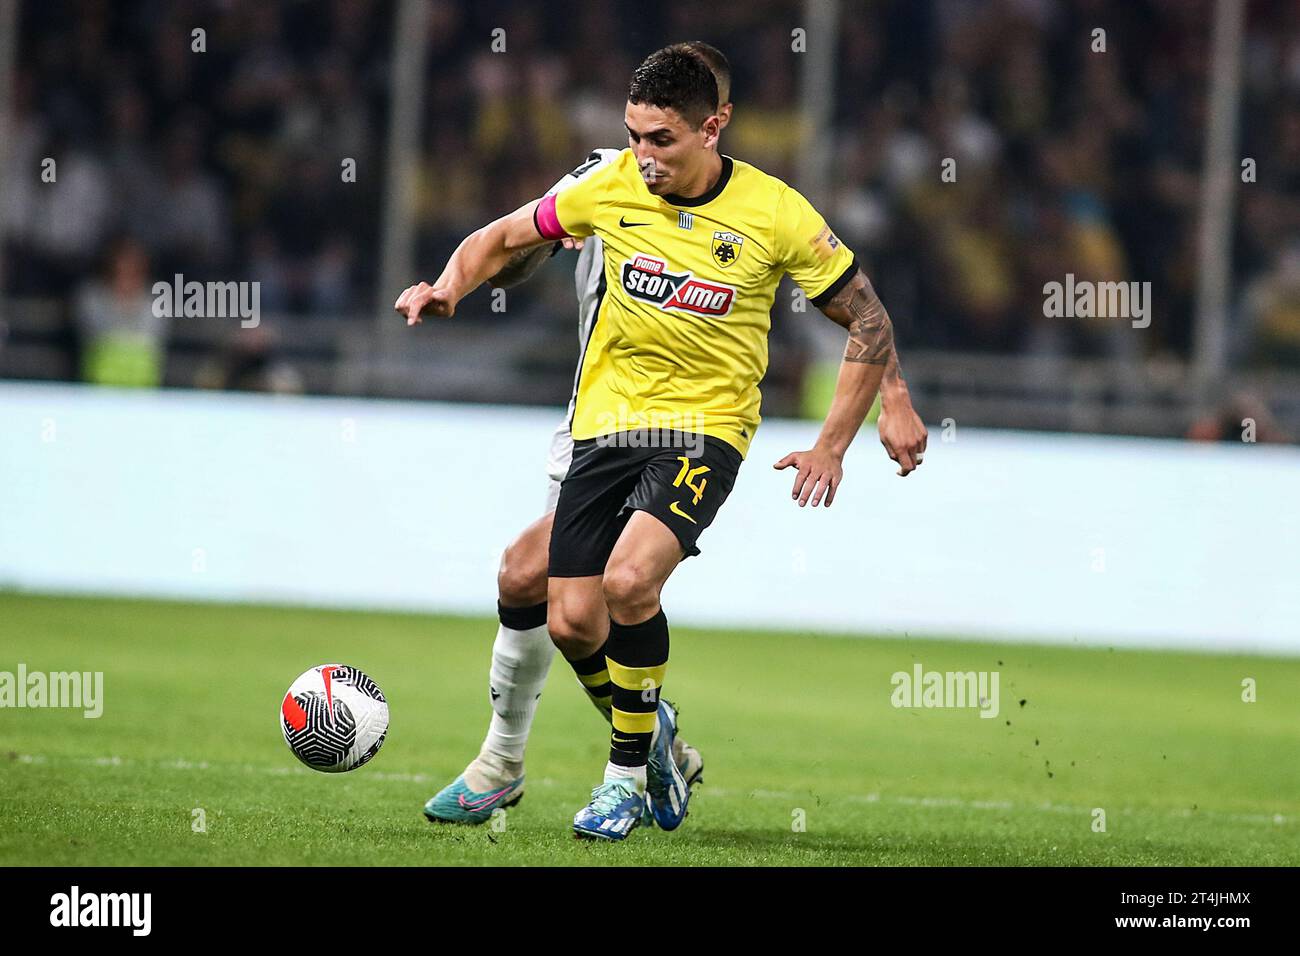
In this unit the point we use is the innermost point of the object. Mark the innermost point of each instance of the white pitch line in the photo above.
(1277, 819)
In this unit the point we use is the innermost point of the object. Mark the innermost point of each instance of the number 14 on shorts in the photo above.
(687, 476)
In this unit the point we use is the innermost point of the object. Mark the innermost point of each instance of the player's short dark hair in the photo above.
(676, 78)
(715, 61)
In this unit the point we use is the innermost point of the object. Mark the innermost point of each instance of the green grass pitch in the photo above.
(807, 761)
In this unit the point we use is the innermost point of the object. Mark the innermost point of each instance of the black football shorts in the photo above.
(613, 476)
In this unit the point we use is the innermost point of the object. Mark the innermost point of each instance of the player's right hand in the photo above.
(424, 299)
(571, 242)
(820, 473)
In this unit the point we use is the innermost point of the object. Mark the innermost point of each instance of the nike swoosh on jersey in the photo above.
(622, 221)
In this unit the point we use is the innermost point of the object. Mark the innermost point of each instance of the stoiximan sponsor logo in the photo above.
(76, 908)
(83, 690)
(923, 688)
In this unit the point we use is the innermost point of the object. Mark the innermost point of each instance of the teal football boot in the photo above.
(458, 803)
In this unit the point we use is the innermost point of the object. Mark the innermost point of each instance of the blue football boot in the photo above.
(614, 811)
(667, 791)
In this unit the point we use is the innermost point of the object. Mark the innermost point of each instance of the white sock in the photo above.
(636, 774)
(520, 663)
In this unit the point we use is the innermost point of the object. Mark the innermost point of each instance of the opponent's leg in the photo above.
(521, 659)
(522, 651)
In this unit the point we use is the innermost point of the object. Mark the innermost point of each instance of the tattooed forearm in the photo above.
(520, 266)
(871, 334)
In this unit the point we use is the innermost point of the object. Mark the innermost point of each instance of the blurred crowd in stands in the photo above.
(226, 163)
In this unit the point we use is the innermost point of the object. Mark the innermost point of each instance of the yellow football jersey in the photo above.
(680, 338)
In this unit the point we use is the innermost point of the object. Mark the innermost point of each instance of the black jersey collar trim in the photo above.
(709, 196)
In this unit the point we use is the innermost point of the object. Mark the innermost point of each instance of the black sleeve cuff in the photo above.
(830, 291)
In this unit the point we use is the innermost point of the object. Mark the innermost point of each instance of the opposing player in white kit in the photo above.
(522, 652)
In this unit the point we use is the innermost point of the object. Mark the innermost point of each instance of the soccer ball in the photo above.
(334, 718)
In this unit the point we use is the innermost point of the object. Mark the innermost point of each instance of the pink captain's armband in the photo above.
(547, 223)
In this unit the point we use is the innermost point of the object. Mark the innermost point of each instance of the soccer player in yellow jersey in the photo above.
(522, 650)
(667, 402)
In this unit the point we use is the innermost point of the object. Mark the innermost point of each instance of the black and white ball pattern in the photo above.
(334, 718)
(324, 738)
(354, 677)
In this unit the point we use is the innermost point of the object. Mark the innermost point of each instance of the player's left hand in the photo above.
(820, 473)
(903, 434)
(424, 299)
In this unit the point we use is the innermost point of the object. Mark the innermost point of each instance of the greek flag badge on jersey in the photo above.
(685, 220)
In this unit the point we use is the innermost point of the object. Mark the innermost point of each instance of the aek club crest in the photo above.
(726, 248)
